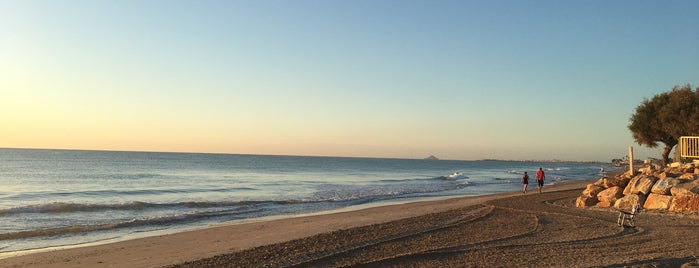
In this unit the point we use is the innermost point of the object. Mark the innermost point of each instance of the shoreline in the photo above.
(6, 255)
(187, 246)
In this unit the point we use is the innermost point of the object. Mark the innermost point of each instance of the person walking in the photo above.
(540, 178)
(525, 182)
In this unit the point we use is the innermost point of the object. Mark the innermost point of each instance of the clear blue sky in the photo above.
(408, 79)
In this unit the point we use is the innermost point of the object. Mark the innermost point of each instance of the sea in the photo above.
(63, 198)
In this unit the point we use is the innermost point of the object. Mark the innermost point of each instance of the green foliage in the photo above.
(666, 117)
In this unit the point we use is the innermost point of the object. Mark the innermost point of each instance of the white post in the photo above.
(631, 160)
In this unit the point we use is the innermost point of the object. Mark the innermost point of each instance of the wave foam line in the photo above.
(62, 207)
(166, 220)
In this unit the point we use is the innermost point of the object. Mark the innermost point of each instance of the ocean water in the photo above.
(55, 198)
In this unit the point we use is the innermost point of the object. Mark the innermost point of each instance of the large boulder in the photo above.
(627, 202)
(690, 188)
(627, 189)
(663, 186)
(584, 201)
(685, 204)
(592, 190)
(657, 201)
(619, 181)
(640, 185)
(610, 195)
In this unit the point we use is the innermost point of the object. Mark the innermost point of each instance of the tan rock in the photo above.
(688, 168)
(610, 195)
(690, 188)
(584, 201)
(663, 186)
(616, 181)
(688, 176)
(604, 204)
(696, 171)
(625, 175)
(629, 186)
(646, 170)
(657, 201)
(677, 171)
(640, 185)
(685, 204)
(600, 182)
(667, 174)
(627, 202)
(592, 190)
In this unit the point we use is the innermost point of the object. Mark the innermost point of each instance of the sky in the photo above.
(460, 79)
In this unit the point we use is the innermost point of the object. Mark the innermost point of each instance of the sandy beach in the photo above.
(505, 230)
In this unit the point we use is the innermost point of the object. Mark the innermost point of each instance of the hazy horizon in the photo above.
(339, 156)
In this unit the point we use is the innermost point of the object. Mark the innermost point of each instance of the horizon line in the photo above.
(300, 155)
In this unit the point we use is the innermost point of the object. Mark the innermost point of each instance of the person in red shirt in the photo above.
(540, 178)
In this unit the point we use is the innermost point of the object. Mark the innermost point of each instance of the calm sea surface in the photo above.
(51, 198)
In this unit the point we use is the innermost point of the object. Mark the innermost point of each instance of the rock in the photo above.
(696, 171)
(688, 168)
(657, 201)
(610, 195)
(675, 165)
(603, 204)
(663, 186)
(685, 204)
(627, 202)
(690, 188)
(646, 170)
(625, 175)
(640, 185)
(688, 176)
(667, 174)
(675, 170)
(600, 182)
(627, 189)
(584, 201)
(592, 190)
(616, 181)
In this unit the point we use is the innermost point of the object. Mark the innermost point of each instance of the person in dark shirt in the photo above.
(525, 182)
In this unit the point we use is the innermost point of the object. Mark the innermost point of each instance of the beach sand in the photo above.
(500, 230)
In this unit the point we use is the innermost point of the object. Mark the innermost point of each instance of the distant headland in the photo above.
(431, 157)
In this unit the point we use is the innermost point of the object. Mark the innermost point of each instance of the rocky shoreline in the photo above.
(674, 188)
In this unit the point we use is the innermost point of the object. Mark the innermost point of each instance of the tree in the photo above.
(665, 118)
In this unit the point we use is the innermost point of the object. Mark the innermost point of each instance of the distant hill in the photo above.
(432, 157)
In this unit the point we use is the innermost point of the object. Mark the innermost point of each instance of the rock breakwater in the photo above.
(674, 188)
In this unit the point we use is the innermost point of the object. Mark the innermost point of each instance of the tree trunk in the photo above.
(666, 154)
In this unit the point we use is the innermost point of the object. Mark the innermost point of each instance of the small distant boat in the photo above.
(455, 176)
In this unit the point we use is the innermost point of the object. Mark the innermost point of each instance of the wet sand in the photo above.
(502, 230)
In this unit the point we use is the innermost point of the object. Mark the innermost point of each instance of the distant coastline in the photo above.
(544, 161)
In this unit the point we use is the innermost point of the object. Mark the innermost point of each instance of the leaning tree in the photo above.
(665, 118)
